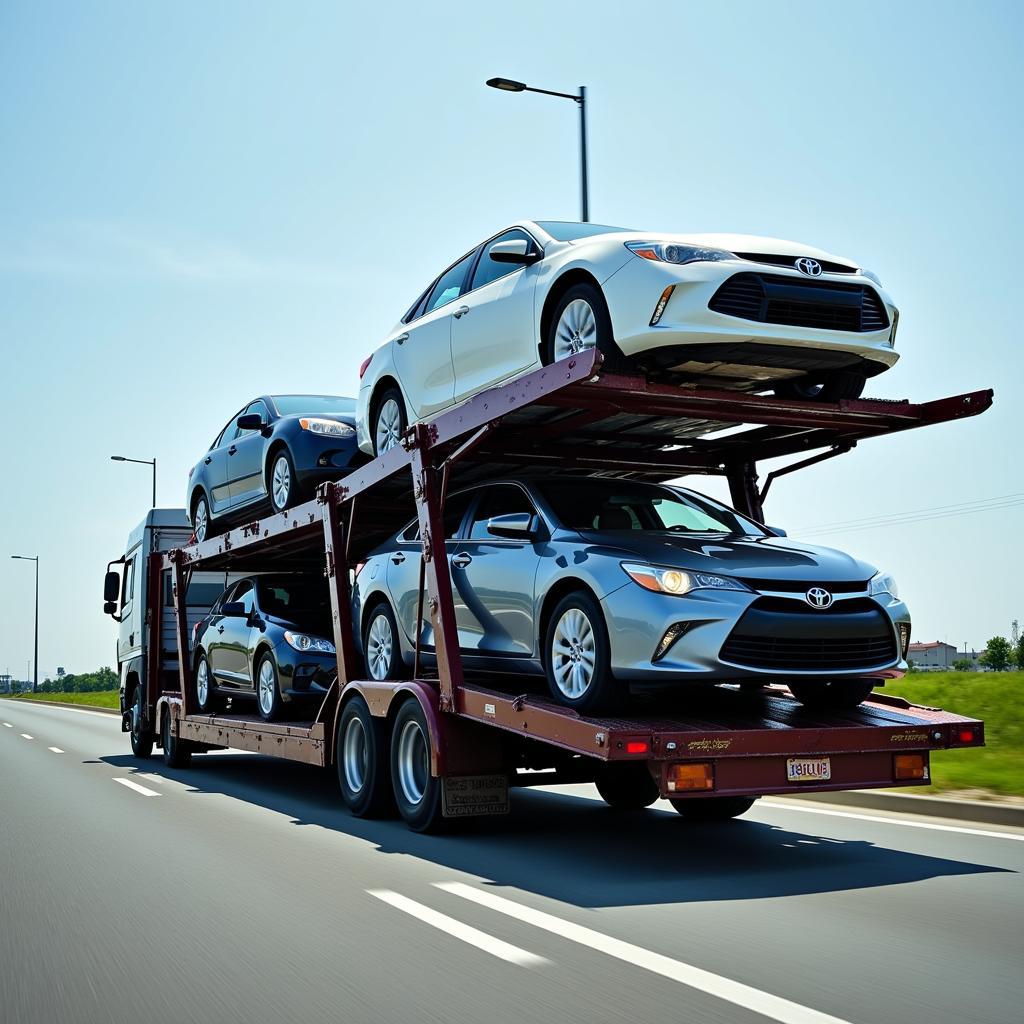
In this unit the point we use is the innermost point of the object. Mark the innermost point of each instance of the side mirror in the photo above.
(109, 607)
(234, 610)
(516, 250)
(516, 525)
(250, 421)
(111, 589)
(778, 531)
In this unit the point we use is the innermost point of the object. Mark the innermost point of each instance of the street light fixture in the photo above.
(35, 653)
(141, 462)
(580, 99)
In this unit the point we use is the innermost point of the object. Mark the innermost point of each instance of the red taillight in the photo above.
(966, 735)
(365, 363)
(636, 747)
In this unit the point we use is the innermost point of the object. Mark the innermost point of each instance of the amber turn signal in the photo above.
(910, 766)
(690, 776)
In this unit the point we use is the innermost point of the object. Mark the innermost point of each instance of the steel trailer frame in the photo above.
(572, 417)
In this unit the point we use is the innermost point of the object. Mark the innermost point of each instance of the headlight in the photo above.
(330, 427)
(678, 581)
(883, 583)
(302, 642)
(871, 276)
(673, 252)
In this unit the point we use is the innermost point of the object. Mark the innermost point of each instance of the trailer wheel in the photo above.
(361, 758)
(577, 657)
(831, 694)
(142, 743)
(417, 792)
(627, 787)
(177, 752)
(713, 808)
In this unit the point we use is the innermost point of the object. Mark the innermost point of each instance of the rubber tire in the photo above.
(177, 753)
(614, 360)
(210, 530)
(832, 694)
(398, 668)
(627, 786)
(605, 693)
(212, 705)
(835, 387)
(375, 799)
(425, 816)
(293, 490)
(142, 745)
(713, 808)
(387, 393)
(277, 709)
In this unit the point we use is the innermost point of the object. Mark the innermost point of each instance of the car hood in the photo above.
(760, 558)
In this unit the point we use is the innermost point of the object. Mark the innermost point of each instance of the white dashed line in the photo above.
(56, 750)
(137, 787)
(25, 736)
(730, 991)
(458, 930)
(8, 724)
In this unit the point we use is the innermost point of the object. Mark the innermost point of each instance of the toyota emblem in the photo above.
(818, 597)
(812, 268)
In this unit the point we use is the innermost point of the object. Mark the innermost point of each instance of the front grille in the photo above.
(798, 587)
(796, 302)
(808, 654)
(828, 266)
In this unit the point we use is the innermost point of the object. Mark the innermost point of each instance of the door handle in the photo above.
(220, 629)
(207, 460)
(398, 558)
(232, 450)
(460, 312)
(461, 561)
(402, 338)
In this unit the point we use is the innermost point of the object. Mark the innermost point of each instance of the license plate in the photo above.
(808, 769)
(468, 796)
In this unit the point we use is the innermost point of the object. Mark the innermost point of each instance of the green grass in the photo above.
(99, 699)
(995, 697)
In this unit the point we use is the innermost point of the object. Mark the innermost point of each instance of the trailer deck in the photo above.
(575, 419)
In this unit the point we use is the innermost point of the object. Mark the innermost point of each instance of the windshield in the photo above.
(295, 599)
(613, 505)
(311, 405)
(570, 231)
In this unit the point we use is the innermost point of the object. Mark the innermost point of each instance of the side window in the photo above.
(497, 501)
(128, 582)
(244, 592)
(253, 407)
(454, 509)
(222, 436)
(418, 308)
(449, 285)
(487, 270)
(411, 532)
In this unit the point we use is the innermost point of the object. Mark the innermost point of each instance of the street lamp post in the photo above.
(35, 652)
(141, 462)
(580, 99)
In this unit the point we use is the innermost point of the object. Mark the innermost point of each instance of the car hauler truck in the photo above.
(440, 746)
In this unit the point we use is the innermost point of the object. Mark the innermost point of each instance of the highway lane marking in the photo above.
(8, 724)
(137, 787)
(151, 778)
(115, 717)
(56, 750)
(25, 736)
(730, 991)
(458, 930)
(893, 821)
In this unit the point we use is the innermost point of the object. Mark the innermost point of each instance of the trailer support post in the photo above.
(179, 589)
(336, 571)
(743, 491)
(154, 641)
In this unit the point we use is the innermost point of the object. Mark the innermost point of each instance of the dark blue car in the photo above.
(270, 456)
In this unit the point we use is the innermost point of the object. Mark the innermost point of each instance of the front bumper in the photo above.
(690, 337)
(303, 674)
(639, 619)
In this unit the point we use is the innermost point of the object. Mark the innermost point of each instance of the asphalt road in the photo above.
(240, 890)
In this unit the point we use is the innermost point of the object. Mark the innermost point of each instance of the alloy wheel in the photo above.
(202, 683)
(389, 425)
(267, 685)
(201, 519)
(379, 644)
(577, 329)
(281, 485)
(573, 653)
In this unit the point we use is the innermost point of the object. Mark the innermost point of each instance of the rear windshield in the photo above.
(570, 231)
(310, 405)
(607, 505)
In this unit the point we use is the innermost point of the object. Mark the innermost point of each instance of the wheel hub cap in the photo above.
(282, 483)
(389, 424)
(266, 694)
(577, 329)
(573, 653)
(378, 647)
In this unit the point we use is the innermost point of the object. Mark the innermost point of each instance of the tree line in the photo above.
(84, 682)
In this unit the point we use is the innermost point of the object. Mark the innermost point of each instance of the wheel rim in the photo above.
(573, 653)
(389, 425)
(413, 762)
(202, 683)
(356, 755)
(379, 643)
(202, 519)
(282, 483)
(137, 716)
(268, 683)
(577, 329)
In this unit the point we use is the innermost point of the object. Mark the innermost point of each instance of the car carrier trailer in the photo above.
(442, 746)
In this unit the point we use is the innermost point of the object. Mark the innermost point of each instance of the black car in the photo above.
(271, 455)
(265, 637)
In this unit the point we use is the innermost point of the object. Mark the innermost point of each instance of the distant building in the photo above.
(939, 656)
(5, 683)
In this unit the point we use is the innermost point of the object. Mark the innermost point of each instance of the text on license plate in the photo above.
(808, 769)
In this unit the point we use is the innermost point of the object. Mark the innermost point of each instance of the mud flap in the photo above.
(470, 796)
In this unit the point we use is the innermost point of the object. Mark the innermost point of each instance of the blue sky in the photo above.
(203, 202)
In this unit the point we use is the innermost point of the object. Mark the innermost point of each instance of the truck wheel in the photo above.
(206, 700)
(627, 787)
(361, 758)
(577, 658)
(382, 651)
(177, 753)
(268, 692)
(142, 742)
(417, 792)
(713, 808)
(580, 321)
(831, 694)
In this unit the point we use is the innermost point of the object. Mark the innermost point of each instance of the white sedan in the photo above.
(736, 311)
